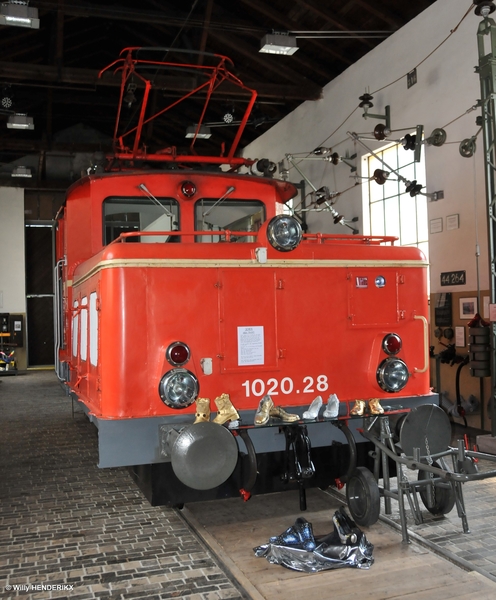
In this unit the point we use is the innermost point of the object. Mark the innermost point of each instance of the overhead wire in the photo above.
(358, 182)
(452, 32)
(430, 53)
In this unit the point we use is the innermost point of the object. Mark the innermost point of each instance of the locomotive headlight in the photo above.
(284, 233)
(392, 375)
(178, 388)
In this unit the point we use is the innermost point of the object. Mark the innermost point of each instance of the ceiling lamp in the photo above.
(22, 172)
(20, 121)
(19, 14)
(286, 42)
(203, 132)
(278, 43)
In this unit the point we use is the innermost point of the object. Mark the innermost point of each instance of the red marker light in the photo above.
(391, 344)
(177, 354)
(188, 188)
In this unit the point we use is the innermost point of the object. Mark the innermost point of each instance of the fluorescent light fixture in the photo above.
(19, 14)
(203, 132)
(286, 42)
(278, 43)
(22, 172)
(19, 121)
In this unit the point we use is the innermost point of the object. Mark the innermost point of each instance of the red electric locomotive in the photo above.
(219, 350)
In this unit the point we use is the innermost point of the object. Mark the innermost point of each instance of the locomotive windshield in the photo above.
(234, 215)
(128, 215)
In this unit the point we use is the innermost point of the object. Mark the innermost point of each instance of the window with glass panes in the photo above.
(388, 209)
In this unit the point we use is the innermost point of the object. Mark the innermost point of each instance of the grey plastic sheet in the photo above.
(299, 550)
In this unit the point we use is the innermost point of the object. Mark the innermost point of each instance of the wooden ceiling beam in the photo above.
(50, 75)
(326, 18)
(113, 13)
(386, 16)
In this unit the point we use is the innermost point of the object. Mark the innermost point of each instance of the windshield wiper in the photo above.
(144, 189)
(229, 190)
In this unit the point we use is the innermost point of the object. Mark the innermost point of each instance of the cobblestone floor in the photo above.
(65, 522)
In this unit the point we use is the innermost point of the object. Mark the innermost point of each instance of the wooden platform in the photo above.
(232, 529)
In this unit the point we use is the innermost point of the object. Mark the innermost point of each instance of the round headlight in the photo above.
(178, 388)
(284, 233)
(392, 375)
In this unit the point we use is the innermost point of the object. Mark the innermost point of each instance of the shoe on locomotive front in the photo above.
(219, 349)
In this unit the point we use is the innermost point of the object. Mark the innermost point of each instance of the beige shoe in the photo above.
(358, 409)
(202, 410)
(375, 407)
(226, 411)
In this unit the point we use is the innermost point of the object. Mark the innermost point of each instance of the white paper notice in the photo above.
(251, 345)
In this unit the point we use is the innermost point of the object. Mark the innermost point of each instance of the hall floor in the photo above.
(65, 522)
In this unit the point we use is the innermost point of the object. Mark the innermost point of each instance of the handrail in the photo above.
(426, 344)
(222, 233)
(56, 318)
(227, 233)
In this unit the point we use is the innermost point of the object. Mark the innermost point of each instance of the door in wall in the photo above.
(39, 292)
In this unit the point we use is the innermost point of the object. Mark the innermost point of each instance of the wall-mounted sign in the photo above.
(452, 222)
(411, 78)
(436, 225)
(460, 337)
(453, 278)
(251, 345)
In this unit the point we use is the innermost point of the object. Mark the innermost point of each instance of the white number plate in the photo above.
(274, 387)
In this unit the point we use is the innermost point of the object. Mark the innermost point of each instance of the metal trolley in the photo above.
(420, 441)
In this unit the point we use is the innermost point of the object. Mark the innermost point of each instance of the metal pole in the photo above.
(486, 41)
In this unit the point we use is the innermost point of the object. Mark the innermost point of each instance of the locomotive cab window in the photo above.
(212, 215)
(130, 215)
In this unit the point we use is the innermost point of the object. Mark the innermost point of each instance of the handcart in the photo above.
(420, 441)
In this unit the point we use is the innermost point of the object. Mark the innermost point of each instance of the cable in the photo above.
(430, 53)
(403, 76)
(468, 111)
(338, 127)
(185, 22)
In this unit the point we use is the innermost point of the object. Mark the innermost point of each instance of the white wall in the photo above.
(12, 263)
(447, 87)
